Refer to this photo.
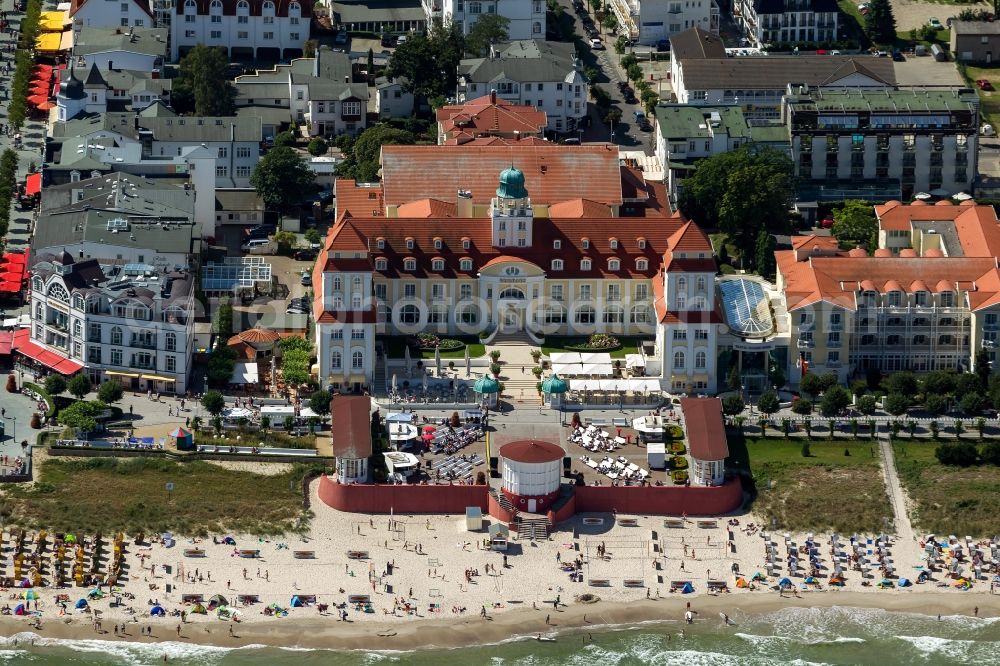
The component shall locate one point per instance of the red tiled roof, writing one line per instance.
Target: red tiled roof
(346, 317)
(579, 208)
(531, 451)
(488, 115)
(706, 431)
(552, 173)
(426, 208)
(229, 7)
(358, 200)
(350, 417)
(689, 238)
(503, 141)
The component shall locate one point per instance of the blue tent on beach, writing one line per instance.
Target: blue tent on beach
(785, 582)
(295, 602)
(81, 603)
(687, 589)
(904, 582)
(157, 611)
(19, 610)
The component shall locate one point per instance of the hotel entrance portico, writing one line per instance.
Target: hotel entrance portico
(512, 288)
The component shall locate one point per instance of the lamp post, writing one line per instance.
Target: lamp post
(13, 429)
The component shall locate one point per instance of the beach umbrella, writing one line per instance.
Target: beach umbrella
(29, 595)
(554, 384)
(35, 100)
(687, 589)
(468, 361)
(810, 580)
(785, 582)
(486, 385)
(406, 357)
(82, 603)
(437, 360)
(429, 428)
(885, 582)
(394, 380)
(904, 582)
(155, 611)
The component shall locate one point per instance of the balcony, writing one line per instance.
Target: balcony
(143, 343)
(805, 343)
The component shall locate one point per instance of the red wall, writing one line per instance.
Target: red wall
(369, 498)
(661, 500)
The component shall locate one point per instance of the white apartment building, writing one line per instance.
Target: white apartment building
(142, 49)
(105, 14)
(651, 21)
(266, 30)
(527, 17)
(545, 75)
(130, 322)
(788, 21)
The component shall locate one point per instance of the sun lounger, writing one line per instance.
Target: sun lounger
(633, 582)
(357, 554)
(304, 554)
(628, 522)
(599, 582)
(247, 599)
(248, 553)
(194, 552)
(673, 522)
(192, 599)
(593, 521)
(307, 599)
(358, 599)
(708, 523)
(717, 586)
(679, 584)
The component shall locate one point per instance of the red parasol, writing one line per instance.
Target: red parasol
(428, 437)
(429, 428)
(45, 106)
(35, 100)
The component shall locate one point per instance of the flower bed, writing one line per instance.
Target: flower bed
(431, 341)
(679, 462)
(598, 342)
(680, 477)
(678, 448)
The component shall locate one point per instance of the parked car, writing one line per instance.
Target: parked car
(341, 39)
(645, 125)
(934, 23)
(826, 223)
(630, 97)
(306, 279)
(388, 40)
(638, 115)
(304, 255)
(261, 231)
(984, 84)
(662, 45)
(897, 56)
(254, 243)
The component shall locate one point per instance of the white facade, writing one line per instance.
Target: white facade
(527, 17)
(531, 479)
(788, 21)
(562, 101)
(108, 14)
(689, 348)
(120, 59)
(138, 330)
(263, 32)
(392, 101)
(708, 472)
(650, 21)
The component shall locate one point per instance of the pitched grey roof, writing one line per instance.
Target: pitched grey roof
(197, 129)
(524, 60)
(238, 200)
(147, 41)
(378, 11)
(776, 72)
(696, 43)
(975, 28)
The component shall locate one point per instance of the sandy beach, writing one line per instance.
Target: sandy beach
(439, 568)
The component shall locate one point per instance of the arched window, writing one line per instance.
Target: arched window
(116, 335)
(585, 315)
(895, 298)
(467, 315)
(536, 28)
(699, 360)
(555, 314)
(679, 361)
(947, 299)
(294, 9)
(512, 293)
(357, 359)
(336, 360)
(171, 341)
(78, 302)
(640, 314)
(190, 7)
(682, 285)
(557, 264)
(381, 264)
(215, 8)
(356, 301)
(585, 264)
(641, 264)
(58, 292)
(701, 284)
(268, 8)
(466, 264)
(37, 284)
(614, 265)
(410, 265)
(946, 340)
(614, 315)
(39, 312)
(243, 7)
(409, 314)
(437, 265)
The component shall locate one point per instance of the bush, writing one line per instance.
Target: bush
(769, 402)
(897, 403)
(79, 385)
(990, 453)
(110, 391)
(903, 383)
(935, 403)
(733, 405)
(802, 407)
(972, 403)
(317, 146)
(214, 402)
(834, 400)
(960, 454)
(867, 405)
(55, 384)
(285, 138)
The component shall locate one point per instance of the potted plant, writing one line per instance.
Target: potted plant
(451, 366)
(538, 387)
(495, 355)
(36, 421)
(455, 420)
(536, 371)
(495, 369)
(11, 383)
(536, 354)
(575, 421)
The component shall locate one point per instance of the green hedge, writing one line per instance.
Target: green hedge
(588, 349)
(40, 390)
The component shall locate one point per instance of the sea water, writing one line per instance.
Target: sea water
(787, 637)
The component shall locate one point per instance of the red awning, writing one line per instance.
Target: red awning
(10, 287)
(6, 342)
(16, 258)
(25, 347)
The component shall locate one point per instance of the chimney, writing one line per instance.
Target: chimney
(493, 97)
(463, 204)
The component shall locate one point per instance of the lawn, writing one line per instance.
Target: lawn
(826, 491)
(946, 499)
(395, 346)
(557, 344)
(110, 494)
(989, 100)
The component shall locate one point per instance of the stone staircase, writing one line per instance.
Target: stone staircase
(381, 376)
(515, 357)
(532, 526)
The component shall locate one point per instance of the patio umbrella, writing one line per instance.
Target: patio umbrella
(406, 356)
(40, 88)
(394, 382)
(961, 196)
(429, 428)
(46, 105)
(30, 595)
(486, 385)
(922, 196)
(554, 384)
(437, 360)
(468, 361)
(35, 100)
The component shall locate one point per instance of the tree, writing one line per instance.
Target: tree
(984, 366)
(867, 405)
(214, 402)
(428, 64)
(317, 146)
(620, 44)
(903, 383)
(733, 380)
(938, 382)
(990, 453)
(79, 385)
(813, 384)
(312, 236)
(285, 138)
(854, 223)
(764, 261)
(110, 391)
(733, 405)
(363, 162)
(609, 22)
(282, 178)
(880, 22)
(488, 30)
(741, 192)
(319, 402)
(55, 384)
(966, 383)
(935, 403)
(768, 402)
(802, 407)
(220, 365)
(972, 403)
(960, 454)
(285, 240)
(897, 403)
(82, 416)
(202, 84)
(834, 401)
(634, 72)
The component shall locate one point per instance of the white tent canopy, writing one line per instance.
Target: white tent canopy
(272, 411)
(565, 357)
(244, 373)
(400, 417)
(642, 385)
(634, 361)
(402, 432)
(602, 358)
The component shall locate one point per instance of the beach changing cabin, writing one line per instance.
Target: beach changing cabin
(499, 536)
(473, 518)
(656, 455)
(706, 436)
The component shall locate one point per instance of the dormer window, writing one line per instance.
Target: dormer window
(641, 242)
(437, 265)
(585, 264)
(410, 264)
(557, 244)
(614, 243)
(466, 244)
(466, 264)
(614, 265)
(438, 243)
(381, 264)
(380, 243)
(641, 264)
(585, 243)
(557, 264)
(410, 244)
